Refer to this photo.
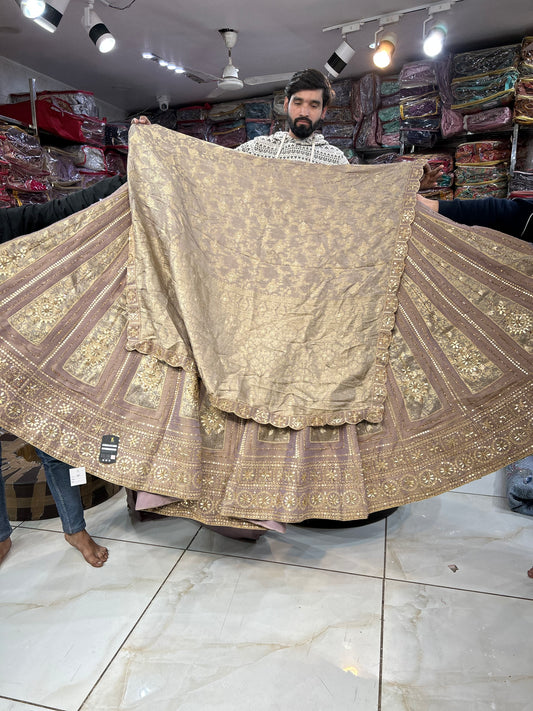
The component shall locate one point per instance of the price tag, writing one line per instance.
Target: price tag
(78, 476)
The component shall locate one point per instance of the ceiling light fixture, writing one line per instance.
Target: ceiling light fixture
(435, 31)
(47, 15)
(382, 57)
(339, 59)
(385, 47)
(32, 8)
(97, 31)
(434, 40)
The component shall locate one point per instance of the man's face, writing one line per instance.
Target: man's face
(305, 111)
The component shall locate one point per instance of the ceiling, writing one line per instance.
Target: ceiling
(275, 36)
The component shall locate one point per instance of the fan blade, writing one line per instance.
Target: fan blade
(215, 93)
(268, 79)
(200, 77)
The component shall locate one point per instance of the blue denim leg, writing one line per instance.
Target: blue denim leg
(66, 497)
(5, 526)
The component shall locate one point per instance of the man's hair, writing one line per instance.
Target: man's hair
(310, 79)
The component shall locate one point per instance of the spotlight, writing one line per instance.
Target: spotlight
(148, 55)
(32, 8)
(97, 31)
(50, 15)
(382, 57)
(434, 40)
(339, 59)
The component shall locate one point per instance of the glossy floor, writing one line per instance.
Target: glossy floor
(429, 610)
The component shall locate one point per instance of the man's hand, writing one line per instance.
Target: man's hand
(431, 176)
(145, 121)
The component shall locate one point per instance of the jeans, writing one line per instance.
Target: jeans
(67, 498)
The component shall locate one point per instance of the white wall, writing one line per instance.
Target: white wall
(14, 80)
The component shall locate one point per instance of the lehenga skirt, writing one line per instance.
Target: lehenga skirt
(458, 382)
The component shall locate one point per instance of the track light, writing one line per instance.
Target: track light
(97, 31)
(47, 15)
(32, 8)
(382, 56)
(339, 59)
(434, 40)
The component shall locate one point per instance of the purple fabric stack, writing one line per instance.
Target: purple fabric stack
(419, 103)
(338, 128)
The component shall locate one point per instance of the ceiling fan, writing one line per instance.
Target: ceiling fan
(229, 80)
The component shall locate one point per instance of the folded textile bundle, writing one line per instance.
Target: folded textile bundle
(369, 132)
(195, 129)
(198, 112)
(61, 167)
(482, 169)
(521, 181)
(526, 56)
(76, 102)
(343, 93)
(483, 61)
(482, 151)
(482, 173)
(484, 91)
(259, 109)
(226, 111)
(419, 73)
(476, 191)
(454, 122)
(228, 133)
(523, 108)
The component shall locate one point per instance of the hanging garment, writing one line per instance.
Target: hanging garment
(452, 396)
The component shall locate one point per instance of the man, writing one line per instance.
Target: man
(15, 222)
(307, 97)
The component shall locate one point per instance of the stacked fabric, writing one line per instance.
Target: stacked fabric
(23, 172)
(365, 103)
(389, 111)
(523, 108)
(279, 115)
(484, 79)
(419, 103)
(192, 120)
(482, 169)
(228, 125)
(338, 128)
(258, 117)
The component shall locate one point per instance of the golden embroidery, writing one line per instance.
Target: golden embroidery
(475, 369)
(89, 360)
(146, 387)
(35, 320)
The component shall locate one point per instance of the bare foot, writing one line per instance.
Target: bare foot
(4, 548)
(94, 554)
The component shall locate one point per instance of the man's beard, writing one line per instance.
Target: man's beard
(302, 127)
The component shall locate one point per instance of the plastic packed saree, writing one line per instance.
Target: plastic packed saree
(268, 340)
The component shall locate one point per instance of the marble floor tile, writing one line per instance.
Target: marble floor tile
(491, 546)
(112, 520)
(7, 705)
(352, 550)
(226, 634)
(450, 650)
(62, 621)
(494, 484)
